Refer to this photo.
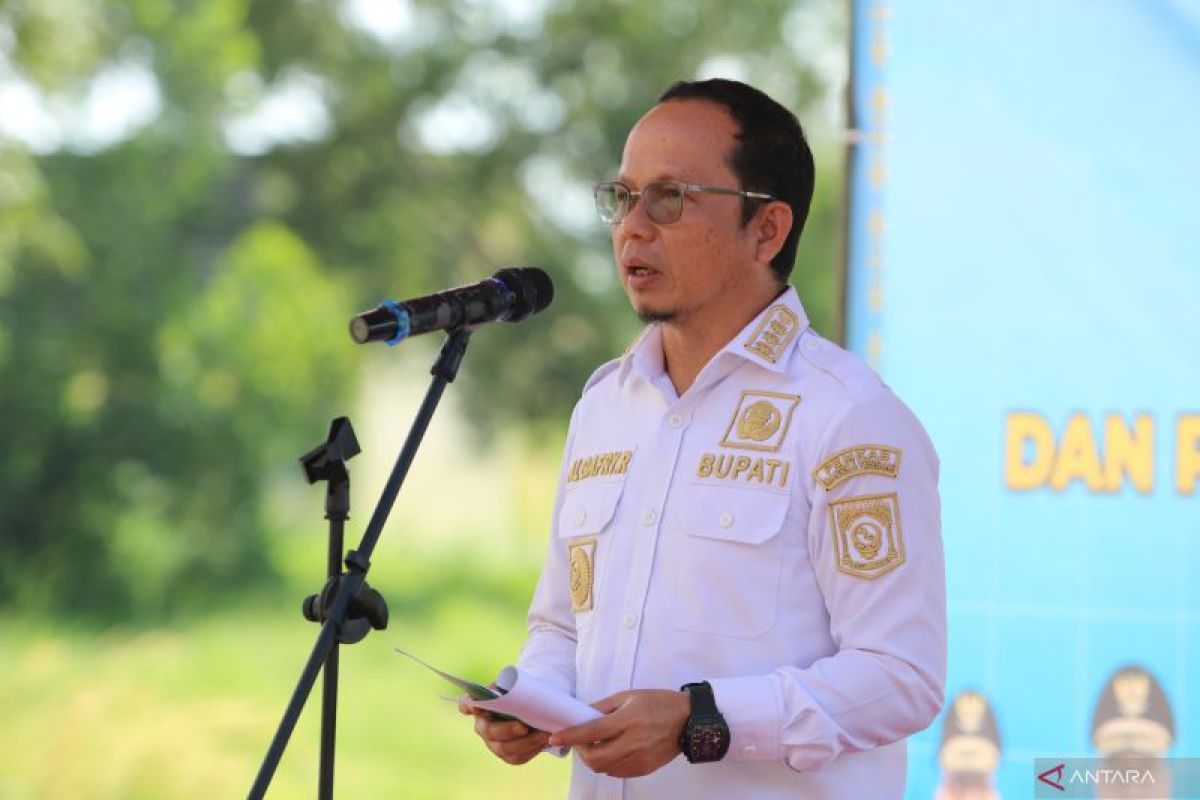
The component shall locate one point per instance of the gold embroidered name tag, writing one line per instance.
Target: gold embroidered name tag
(582, 557)
(866, 534)
(601, 465)
(778, 327)
(761, 420)
(768, 471)
(867, 459)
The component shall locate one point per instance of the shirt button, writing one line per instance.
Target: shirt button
(629, 620)
(580, 518)
(650, 517)
(675, 420)
(749, 751)
(726, 520)
(813, 344)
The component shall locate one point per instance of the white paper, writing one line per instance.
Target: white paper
(523, 696)
(536, 703)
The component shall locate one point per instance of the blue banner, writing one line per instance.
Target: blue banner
(1024, 269)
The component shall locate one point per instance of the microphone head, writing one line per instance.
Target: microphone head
(533, 289)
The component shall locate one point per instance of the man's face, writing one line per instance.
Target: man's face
(683, 271)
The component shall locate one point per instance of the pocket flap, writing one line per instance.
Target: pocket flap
(588, 509)
(735, 515)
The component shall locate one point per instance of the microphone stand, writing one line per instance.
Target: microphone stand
(348, 607)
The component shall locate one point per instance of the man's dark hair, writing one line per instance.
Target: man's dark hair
(771, 154)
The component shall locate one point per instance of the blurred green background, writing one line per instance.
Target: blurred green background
(194, 199)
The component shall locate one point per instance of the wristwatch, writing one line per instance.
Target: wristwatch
(705, 735)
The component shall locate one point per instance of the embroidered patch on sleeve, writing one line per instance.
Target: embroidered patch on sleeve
(866, 459)
(867, 535)
(582, 558)
(760, 421)
(778, 327)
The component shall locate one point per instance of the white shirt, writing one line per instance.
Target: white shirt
(775, 531)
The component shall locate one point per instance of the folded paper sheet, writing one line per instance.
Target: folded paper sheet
(537, 704)
(521, 695)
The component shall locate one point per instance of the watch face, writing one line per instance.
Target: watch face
(708, 741)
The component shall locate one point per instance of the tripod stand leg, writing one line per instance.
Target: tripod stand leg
(326, 639)
(337, 508)
(328, 724)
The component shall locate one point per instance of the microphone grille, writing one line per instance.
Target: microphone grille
(532, 286)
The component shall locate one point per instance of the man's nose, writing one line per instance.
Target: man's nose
(637, 223)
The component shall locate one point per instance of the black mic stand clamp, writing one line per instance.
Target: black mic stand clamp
(367, 609)
(327, 462)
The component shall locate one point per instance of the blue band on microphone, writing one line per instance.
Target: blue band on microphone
(402, 321)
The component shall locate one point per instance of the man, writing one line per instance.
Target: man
(745, 510)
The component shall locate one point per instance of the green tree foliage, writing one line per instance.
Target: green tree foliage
(173, 299)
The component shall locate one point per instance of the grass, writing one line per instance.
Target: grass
(188, 711)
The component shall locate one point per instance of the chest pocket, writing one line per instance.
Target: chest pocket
(585, 524)
(728, 567)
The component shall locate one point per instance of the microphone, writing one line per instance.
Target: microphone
(512, 294)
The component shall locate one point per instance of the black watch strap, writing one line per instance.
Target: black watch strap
(703, 702)
(705, 736)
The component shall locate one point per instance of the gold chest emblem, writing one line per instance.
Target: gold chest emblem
(582, 556)
(759, 421)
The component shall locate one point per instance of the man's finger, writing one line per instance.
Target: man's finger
(602, 756)
(611, 703)
(595, 731)
(521, 749)
(491, 729)
(598, 729)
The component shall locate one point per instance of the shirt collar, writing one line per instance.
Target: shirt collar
(644, 356)
(767, 340)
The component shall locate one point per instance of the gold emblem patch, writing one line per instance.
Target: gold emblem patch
(582, 557)
(874, 459)
(778, 327)
(760, 421)
(867, 535)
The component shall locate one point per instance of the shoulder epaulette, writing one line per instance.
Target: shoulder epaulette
(843, 366)
(600, 373)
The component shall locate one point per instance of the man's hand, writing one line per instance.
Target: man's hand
(638, 733)
(512, 741)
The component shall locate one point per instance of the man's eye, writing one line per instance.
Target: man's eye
(666, 192)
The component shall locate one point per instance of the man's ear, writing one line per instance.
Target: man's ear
(771, 226)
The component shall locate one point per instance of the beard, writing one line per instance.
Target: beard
(649, 316)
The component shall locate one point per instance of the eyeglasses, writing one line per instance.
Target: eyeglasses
(663, 199)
